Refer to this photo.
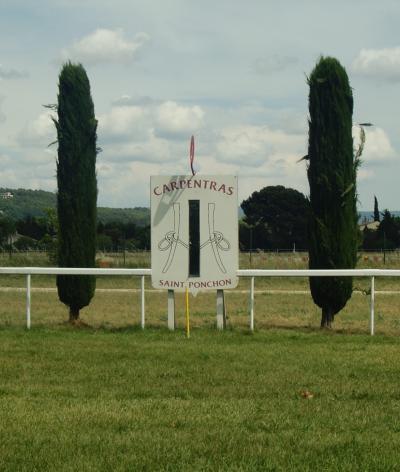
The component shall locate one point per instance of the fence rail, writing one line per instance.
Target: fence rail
(249, 273)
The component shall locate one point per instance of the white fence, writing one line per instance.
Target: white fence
(252, 274)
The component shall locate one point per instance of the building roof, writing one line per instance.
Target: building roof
(372, 225)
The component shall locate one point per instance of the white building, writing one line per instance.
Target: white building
(6, 195)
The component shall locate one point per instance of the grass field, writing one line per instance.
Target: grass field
(109, 396)
(256, 260)
(127, 400)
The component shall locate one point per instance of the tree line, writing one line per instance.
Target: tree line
(277, 218)
(40, 233)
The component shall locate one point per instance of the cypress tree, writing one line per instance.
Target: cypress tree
(77, 186)
(332, 169)
(376, 210)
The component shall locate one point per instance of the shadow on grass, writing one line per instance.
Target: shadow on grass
(265, 327)
(157, 328)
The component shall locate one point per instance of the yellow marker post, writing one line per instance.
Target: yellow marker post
(187, 314)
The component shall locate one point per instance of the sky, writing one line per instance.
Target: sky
(231, 73)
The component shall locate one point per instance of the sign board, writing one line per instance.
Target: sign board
(194, 232)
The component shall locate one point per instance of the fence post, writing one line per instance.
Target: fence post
(221, 310)
(251, 304)
(372, 320)
(28, 301)
(171, 310)
(142, 303)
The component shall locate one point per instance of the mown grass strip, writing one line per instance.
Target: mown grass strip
(123, 399)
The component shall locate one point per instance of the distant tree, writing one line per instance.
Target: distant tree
(7, 229)
(77, 186)
(36, 227)
(389, 231)
(25, 243)
(32, 227)
(115, 232)
(143, 238)
(104, 243)
(277, 217)
(118, 235)
(377, 216)
(370, 239)
(332, 169)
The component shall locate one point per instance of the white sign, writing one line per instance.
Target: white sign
(194, 232)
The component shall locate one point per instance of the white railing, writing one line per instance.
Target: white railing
(372, 273)
(28, 271)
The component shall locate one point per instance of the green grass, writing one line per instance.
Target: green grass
(115, 398)
(121, 309)
(128, 400)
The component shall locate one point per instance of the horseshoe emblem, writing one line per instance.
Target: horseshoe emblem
(215, 238)
(171, 239)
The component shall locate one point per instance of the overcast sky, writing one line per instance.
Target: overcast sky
(231, 73)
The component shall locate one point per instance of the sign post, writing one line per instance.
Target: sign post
(194, 233)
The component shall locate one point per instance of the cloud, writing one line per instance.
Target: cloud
(5, 160)
(2, 115)
(275, 63)
(143, 136)
(40, 132)
(29, 172)
(377, 145)
(381, 64)
(151, 149)
(365, 174)
(126, 134)
(9, 74)
(175, 119)
(127, 100)
(260, 156)
(133, 180)
(121, 121)
(150, 120)
(256, 146)
(104, 45)
(152, 133)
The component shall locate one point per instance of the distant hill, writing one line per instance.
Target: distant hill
(34, 203)
(26, 202)
(138, 215)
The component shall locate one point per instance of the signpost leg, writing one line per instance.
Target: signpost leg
(221, 313)
(372, 320)
(252, 304)
(28, 301)
(171, 310)
(187, 314)
(142, 303)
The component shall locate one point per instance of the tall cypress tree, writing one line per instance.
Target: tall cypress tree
(376, 210)
(77, 186)
(332, 169)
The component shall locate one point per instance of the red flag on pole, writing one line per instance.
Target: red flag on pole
(192, 154)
